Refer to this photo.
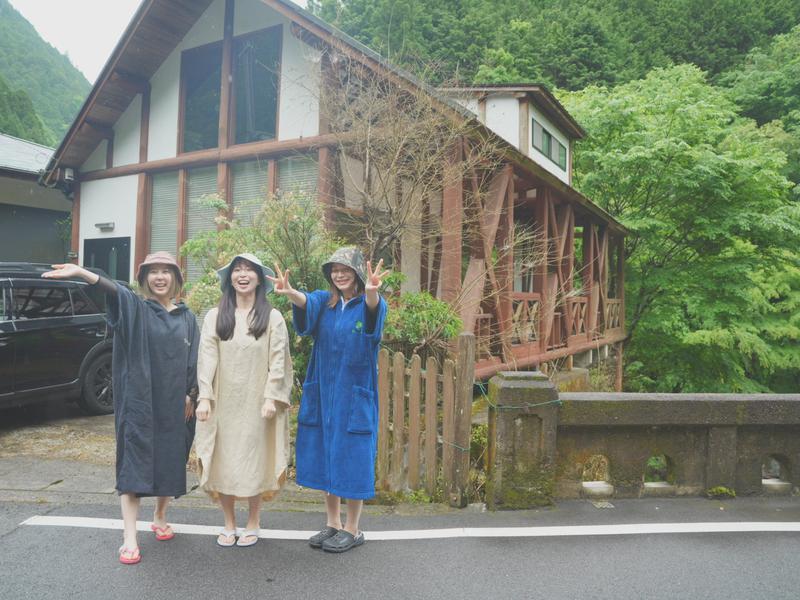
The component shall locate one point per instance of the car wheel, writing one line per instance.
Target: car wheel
(96, 393)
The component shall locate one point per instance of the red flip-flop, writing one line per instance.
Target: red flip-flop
(162, 533)
(128, 556)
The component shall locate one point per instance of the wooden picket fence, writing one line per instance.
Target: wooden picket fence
(424, 422)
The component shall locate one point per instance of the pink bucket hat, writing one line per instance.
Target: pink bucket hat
(159, 258)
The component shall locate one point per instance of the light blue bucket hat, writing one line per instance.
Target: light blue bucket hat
(224, 273)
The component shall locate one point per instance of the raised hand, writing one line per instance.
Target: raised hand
(65, 271)
(375, 277)
(281, 282)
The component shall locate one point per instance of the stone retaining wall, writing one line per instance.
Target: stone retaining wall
(540, 449)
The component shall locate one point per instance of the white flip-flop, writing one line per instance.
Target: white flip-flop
(248, 533)
(227, 533)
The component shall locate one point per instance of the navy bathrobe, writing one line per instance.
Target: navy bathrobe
(337, 425)
(154, 368)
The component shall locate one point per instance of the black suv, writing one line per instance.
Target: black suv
(54, 340)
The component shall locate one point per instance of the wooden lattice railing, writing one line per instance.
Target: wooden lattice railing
(525, 317)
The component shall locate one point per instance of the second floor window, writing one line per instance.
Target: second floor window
(255, 72)
(545, 143)
(256, 68)
(201, 73)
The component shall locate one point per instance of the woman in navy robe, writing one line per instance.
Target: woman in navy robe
(337, 425)
(154, 372)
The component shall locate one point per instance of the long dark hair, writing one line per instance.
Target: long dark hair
(258, 317)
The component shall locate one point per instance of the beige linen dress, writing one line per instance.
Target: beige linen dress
(239, 452)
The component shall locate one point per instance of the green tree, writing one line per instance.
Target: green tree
(18, 117)
(713, 230)
(28, 63)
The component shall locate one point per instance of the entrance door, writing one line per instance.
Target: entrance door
(112, 255)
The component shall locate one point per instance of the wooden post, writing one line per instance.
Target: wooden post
(448, 400)
(462, 419)
(383, 418)
(618, 379)
(431, 410)
(325, 183)
(398, 420)
(144, 125)
(227, 69)
(142, 240)
(413, 421)
(621, 280)
(75, 235)
(452, 215)
(543, 258)
(182, 180)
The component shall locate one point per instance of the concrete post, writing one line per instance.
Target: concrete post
(721, 459)
(523, 420)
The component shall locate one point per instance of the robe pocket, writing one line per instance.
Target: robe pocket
(363, 417)
(309, 405)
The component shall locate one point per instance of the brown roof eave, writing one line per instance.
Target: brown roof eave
(105, 74)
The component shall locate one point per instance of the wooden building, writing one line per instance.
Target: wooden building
(222, 96)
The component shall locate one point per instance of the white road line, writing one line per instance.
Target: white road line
(455, 532)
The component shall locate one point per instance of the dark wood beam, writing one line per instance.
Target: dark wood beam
(252, 151)
(144, 126)
(225, 83)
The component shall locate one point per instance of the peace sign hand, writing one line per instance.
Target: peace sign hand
(281, 282)
(375, 278)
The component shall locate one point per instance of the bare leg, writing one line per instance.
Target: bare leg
(254, 518)
(130, 512)
(227, 503)
(353, 515)
(333, 507)
(160, 512)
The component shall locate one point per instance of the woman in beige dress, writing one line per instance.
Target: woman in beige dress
(245, 380)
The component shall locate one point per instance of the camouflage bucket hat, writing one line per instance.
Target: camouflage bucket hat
(349, 256)
(224, 273)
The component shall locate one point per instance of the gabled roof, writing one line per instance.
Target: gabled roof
(538, 93)
(21, 156)
(159, 26)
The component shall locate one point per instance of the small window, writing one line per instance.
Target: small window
(41, 302)
(256, 71)
(547, 142)
(537, 134)
(562, 156)
(201, 72)
(81, 305)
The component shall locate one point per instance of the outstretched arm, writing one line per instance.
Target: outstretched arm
(70, 271)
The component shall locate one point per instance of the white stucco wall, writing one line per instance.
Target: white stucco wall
(126, 134)
(108, 200)
(298, 101)
(502, 117)
(540, 158)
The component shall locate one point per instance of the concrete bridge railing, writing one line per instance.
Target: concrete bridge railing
(544, 446)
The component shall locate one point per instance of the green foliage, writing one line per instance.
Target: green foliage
(418, 322)
(767, 88)
(28, 63)
(18, 117)
(657, 469)
(563, 43)
(288, 230)
(711, 275)
(720, 492)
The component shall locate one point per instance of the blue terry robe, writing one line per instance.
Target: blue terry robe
(154, 368)
(337, 426)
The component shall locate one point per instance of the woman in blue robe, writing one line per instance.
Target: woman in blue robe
(154, 373)
(337, 425)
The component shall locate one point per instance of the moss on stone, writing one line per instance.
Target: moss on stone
(527, 488)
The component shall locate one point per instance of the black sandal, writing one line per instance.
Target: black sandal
(315, 541)
(343, 541)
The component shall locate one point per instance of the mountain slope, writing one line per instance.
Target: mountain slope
(31, 65)
(18, 117)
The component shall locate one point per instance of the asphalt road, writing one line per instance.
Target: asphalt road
(46, 562)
